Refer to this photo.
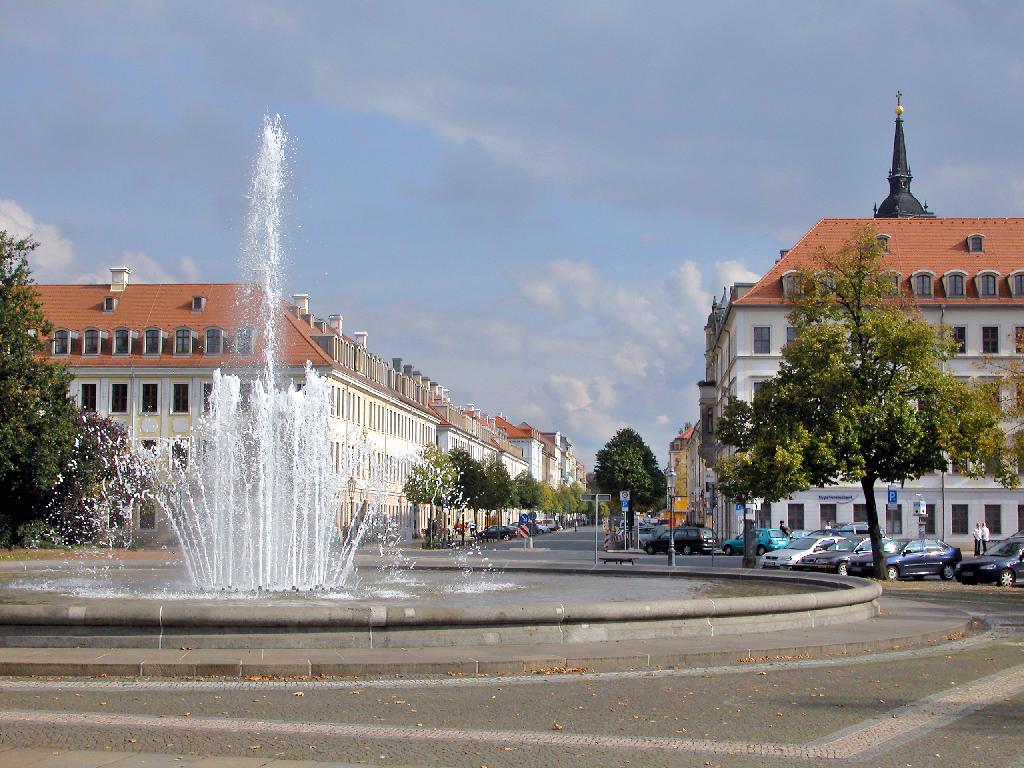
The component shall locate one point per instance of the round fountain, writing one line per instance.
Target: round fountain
(262, 565)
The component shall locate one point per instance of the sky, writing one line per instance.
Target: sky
(534, 203)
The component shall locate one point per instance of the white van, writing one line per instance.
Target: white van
(548, 523)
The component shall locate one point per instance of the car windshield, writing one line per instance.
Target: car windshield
(1008, 548)
(805, 543)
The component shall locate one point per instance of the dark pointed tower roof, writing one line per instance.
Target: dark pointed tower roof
(900, 204)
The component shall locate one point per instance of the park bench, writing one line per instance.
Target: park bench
(619, 559)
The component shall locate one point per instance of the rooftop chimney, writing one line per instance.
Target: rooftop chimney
(361, 339)
(336, 321)
(407, 370)
(119, 278)
(301, 303)
(396, 363)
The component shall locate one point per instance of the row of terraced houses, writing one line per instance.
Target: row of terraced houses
(145, 354)
(966, 274)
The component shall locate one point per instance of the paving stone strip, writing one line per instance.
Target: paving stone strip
(857, 742)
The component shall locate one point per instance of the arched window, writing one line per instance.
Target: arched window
(1017, 283)
(61, 343)
(954, 285)
(827, 281)
(91, 342)
(214, 341)
(153, 341)
(987, 285)
(183, 341)
(122, 341)
(789, 285)
(923, 284)
(894, 279)
(976, 243)
(883, 240)
(243, 341)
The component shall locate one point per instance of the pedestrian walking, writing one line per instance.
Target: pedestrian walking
(984, 538)
(783, 528)
(977, 539)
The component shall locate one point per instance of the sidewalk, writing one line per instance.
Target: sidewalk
(88, 758)
(903, 624)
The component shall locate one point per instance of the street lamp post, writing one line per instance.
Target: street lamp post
(670, 476)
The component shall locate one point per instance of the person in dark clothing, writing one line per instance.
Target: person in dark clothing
(784, 529)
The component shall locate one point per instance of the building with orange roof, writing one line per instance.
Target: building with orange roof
(145, 354)
(963, 273)
(527, 439)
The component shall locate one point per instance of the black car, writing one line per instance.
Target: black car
(1003, 565)
(688, 539)
(914, 558)
(836, 559)
(497, 533)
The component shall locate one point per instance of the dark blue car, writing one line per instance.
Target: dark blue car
(913, 558)
(1003, 565)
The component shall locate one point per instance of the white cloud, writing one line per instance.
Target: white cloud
(54, 257)
(732, 271)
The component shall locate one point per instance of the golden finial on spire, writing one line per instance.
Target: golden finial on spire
(899, 107)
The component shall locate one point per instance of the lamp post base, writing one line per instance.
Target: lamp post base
(672, 556)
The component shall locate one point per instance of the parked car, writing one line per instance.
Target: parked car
(853, 529)
(550, 524)
(650, 532)
(497, 533)
(836, 559)
(915, 558)
(796, 550)
(1003, 565)
(688, 539)
(765, 540)
(543, 527)
(799, 533)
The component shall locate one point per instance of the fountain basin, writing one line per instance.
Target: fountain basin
(775, 602)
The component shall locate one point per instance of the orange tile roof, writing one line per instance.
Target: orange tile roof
(522, 432)
(168, 306)
(936, 245)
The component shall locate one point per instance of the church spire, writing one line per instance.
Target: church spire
(900, 204)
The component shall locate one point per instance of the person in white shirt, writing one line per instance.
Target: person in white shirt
(984, 538)
(977, 539)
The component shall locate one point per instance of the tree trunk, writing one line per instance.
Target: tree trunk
(877, 555)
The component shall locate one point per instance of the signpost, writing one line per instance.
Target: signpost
(596, 498)
(524, 530)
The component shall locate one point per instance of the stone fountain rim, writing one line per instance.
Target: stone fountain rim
(830, 592)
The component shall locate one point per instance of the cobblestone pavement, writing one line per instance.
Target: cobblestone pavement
(963, 703)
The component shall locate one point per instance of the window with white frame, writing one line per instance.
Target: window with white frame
(61, 342)
(214, 341)
(954, 285)
(959, 336)
(183, 341)
(894, 278)
(923, 284)
(789, 284)
(976, 243)
(762, 339)
(990, 339)
(153, 341)
(243, 341)
(1017, 284)
(883, 240)
(987, 284)
(122, 341)
(91, 342)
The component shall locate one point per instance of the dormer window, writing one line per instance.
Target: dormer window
(153, 341)
(789, 285)
(1017, 283)
(62, 342)
(122, 341)
(198, 303)
(243, 341)
(987, 284)
(923, 285)
(976, 243)
(183, 341)
(883, 241)
(827, 281)
(893, 279)
(91, 342)
(954, 284)
(214, 341)
(109, 303)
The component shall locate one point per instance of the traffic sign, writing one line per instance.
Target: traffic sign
(623, 495)
(625, 505)
(892, 495)
(523, 531)
(595, 497)
(524, 518)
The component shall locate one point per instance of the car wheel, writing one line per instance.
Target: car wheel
(727, 549)
(948, 572)
(1007, 578)
(761, 550)
(892, 573)
(843, 569)
(649, 549)
(505, 538)
(686, 549)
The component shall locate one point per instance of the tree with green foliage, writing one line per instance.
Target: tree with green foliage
(433, 480)
(860, 396)
(472, 484)
(626, 463)
(37, 418)
(528, 491)
(499, 493)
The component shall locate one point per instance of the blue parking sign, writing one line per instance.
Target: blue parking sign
(892, 496)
